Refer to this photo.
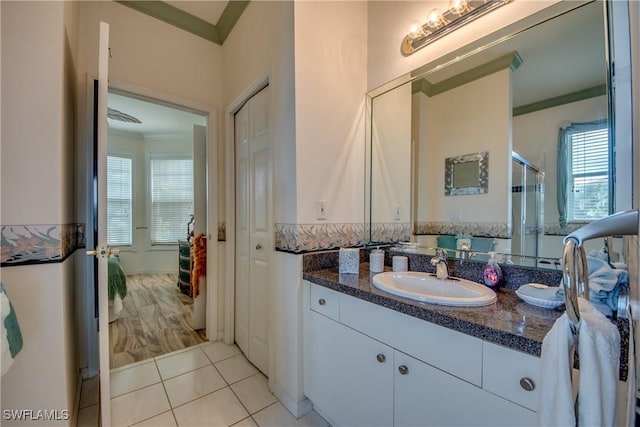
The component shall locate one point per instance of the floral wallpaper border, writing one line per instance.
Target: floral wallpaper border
(480, 229)
(304, 238)
(557, 230)
(39, 244)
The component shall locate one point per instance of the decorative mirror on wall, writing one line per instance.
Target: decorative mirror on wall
(512, 97)
(468, 174)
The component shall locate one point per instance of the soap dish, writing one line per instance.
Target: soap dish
(539, 302)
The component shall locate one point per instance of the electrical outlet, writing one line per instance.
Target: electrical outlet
(397, 213)
(321, 209)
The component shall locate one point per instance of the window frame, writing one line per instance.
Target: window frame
(132, 158)
(151, 245)
(572, 176)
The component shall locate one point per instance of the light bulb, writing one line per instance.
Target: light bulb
(434, 18)
(415, 30)
(459, 7)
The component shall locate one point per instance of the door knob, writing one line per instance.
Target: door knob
(113, 251)
(91, 252)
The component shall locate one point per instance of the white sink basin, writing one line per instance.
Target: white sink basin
(425, 287)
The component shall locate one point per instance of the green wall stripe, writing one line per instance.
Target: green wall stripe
(178, 18)
(511, 60)
(229, 17)
(561, 100)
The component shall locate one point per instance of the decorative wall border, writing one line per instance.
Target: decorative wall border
(390, 232)
(479, 229)
(39, 244)
(555, 229)
(302, 238)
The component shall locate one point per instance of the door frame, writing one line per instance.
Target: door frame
(263, 80)
(212, 284)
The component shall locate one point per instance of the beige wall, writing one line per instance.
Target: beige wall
(455, 127)
(38, 141)
(330, 52)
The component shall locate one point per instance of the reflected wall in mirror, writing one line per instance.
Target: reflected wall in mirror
(524, 99)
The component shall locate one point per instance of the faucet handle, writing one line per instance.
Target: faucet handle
(441, 253)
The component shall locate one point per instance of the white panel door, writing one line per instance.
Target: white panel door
(253, 228)
(102, 250)
(242, 229)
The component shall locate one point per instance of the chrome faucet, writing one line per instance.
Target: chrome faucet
(440, 261)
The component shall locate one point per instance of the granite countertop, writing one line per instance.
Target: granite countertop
(509, 322)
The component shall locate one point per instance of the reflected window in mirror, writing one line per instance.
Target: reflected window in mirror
(584, 188)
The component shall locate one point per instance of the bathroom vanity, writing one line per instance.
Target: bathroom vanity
(374, 359)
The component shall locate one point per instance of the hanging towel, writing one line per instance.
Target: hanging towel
(11, 339)
(555, 407)
(599, 350)
(604, 281)
(198, 261)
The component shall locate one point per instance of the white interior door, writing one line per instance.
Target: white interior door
(200, 214)
(102, 250)
(253, 228)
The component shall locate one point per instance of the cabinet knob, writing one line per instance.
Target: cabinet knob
(403, 369)
(321, 301)
(527, 383)
(381, 358)
(258, 246)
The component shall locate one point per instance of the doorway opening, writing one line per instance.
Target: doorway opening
(157, 219)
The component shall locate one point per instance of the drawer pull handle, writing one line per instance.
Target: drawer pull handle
(381, 358)
(527, 383)
(403, 369)
(321, 301)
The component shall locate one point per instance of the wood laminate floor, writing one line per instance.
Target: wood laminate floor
(156, 319)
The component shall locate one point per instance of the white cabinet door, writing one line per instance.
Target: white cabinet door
(349, 376)
(426, 396)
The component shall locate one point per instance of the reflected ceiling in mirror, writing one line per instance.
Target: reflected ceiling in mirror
(511, 99)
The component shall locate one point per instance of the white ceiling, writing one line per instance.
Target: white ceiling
(157, 119)
(560, 56)
(209, 10)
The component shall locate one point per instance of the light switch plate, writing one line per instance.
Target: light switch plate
(321, 209)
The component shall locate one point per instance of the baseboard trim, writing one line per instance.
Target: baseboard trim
(297, 408)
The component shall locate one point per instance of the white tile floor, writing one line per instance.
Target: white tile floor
(211, 384)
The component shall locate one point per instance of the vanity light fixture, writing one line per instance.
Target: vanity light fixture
(438, 24)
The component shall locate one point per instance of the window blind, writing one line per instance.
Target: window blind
(171, 199)
(119, 203)
(589, 183)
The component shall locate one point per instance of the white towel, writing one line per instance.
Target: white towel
(599, 350)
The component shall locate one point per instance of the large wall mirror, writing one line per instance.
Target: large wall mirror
(537, 101)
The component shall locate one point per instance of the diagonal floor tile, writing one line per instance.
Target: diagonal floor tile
(139, 405)
(220, 409)
(192, 385)
(254, 393)
(236, 368)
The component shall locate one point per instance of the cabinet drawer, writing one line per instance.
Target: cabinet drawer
(325, 301)
(503, 370)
